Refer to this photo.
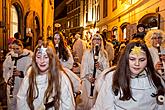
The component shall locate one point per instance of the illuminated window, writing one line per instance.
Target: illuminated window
(124, 33)
(115, 33)
(13, 21)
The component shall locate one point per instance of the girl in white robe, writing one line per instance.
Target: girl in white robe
(15, 66)
(46, 86)
(87, 71)
(63, 52)
(155, 41)
(134, 85)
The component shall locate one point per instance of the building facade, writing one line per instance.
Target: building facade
(74, 16)
(32, 18)
(120, 17)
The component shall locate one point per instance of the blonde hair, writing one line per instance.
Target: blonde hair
(103, 51)
(148, 37)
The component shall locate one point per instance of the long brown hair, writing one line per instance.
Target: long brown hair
(121, 78)
(54, 78)
(62, 49)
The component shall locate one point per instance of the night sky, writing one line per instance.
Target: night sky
(63, 13)
(57, 2)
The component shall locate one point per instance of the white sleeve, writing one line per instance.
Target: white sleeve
(22, 95)
(105, 98)
(67, 99)
(74, 78)
(7, 68)
(84, 65)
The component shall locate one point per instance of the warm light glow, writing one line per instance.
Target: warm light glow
(89, 10)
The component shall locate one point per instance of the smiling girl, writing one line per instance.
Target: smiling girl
(46, 87)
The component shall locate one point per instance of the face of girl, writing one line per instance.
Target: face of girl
(156, 39)
(56, 38)
(42, 61)
(17, 49)
(96, 41)
(137, 62)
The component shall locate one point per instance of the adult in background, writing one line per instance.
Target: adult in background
(108, 46)
(78, 47)
(17, 35)
(46, 85)
(134, 84)
(141, 32)
(155, 41)
(39, 41)
(14, 70)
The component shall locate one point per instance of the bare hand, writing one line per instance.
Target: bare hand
(16, 72)
(10, 81)
(163, 57)
(90, 78)
(159, 66)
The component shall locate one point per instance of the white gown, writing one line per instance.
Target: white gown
(141, 90)
(87, 67)
(66, 100)
(22, 65)
(67, 64)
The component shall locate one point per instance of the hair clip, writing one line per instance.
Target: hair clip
(136, 50)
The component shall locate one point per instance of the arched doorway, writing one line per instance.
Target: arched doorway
(124, 31)
(16, 19)
(151, 21)
(115, 31)
(32, 29)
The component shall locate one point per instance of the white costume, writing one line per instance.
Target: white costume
(74, 79)
(87, 67)
(66, 99)
(155, 57)
(141, 90)
(23, 63)
(67, 64)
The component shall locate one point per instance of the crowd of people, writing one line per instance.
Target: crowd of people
(62, 74)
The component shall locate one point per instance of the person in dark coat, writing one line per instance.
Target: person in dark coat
(141, 32)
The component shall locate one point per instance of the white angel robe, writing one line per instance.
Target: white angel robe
(141, 91)
(66, 100)
(22, 65)
(87, 67)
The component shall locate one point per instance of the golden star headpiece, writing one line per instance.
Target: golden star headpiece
(136, 50)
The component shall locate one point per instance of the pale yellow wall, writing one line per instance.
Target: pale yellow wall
(162, 13)
(48, 17)
(130, 13)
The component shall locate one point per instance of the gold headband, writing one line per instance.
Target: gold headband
(137, 50)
